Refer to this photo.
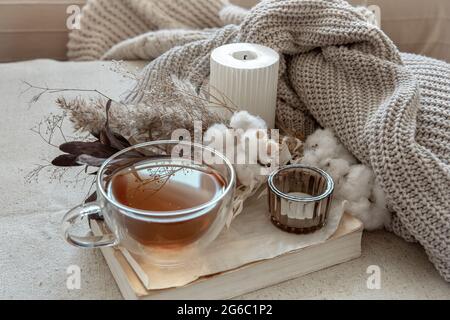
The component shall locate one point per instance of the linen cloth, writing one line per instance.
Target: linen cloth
(391, 110)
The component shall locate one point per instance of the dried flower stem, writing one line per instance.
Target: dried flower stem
(48, 90)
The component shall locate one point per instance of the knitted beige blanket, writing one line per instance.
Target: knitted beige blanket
(391, 110)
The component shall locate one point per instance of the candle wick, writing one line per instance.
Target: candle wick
(245, 57)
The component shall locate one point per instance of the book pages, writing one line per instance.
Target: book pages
(250, 238)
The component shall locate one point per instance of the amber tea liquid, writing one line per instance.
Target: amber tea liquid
(165, 189)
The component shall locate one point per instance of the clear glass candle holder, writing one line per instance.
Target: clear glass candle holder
(300, 198)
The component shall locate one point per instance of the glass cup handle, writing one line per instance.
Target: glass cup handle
(74, 217)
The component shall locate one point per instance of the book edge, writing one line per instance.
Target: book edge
(202, 287)
(133, 289)
(347, 225)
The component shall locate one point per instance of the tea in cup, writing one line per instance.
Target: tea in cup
(160, 201)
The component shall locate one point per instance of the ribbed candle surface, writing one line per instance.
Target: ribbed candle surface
(247, 76)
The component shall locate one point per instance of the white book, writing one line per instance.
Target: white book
(131, 275)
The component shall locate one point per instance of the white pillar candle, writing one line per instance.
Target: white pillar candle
(247, 75)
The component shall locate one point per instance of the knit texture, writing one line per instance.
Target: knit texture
(391, 110)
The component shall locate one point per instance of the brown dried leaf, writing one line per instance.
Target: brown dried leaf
(92, 198)
(95, 135)
(66, 160)
(114, 140)
(94, 149)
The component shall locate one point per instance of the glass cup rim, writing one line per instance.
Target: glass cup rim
(329, 190)
(168, 214)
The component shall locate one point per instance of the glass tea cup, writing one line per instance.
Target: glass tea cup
(182, 195)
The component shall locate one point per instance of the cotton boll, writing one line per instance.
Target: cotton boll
(248, 174)
(310, 158)
(373, 217)
(218, 127)
(274, 157)
(258, 147)
(354, 183)
(320, 147)
(327, 146)
(359, 208)
(269, 154)
(259, 134)
(257, 154)
(358, 183)
(323, 143)
(378, 218)
(255, 137)
(342, 153)
(244, 120)
(338, 168)
(321, 137)
(247, 151)
(215, 136)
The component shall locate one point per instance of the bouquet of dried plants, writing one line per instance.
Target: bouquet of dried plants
(105, 126)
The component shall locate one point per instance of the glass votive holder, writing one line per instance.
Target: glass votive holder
(300, 198)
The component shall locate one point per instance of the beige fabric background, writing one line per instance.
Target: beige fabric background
(34, 258)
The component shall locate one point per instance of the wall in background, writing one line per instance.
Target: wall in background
(31, 29)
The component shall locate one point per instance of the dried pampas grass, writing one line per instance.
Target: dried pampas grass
(154, 119)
